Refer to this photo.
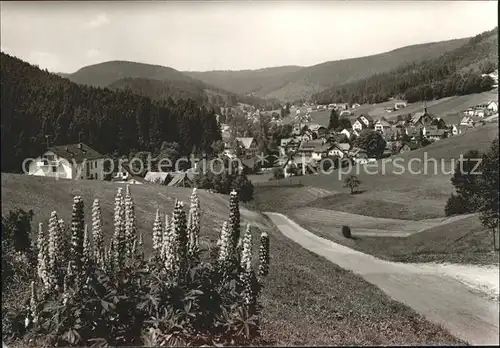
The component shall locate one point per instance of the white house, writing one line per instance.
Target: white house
(357, 125)
(340, 150)
(400, 105)
(493, 106)
(349, 132)
(382, 126)
(249, 146)
(479, 113)
(72, 161)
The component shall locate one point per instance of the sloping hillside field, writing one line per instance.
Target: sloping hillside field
(306, 300)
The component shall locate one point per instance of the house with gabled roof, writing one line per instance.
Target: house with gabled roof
(422, 118)
(71, 161)
(248, 146)
(362, 122)
(382, 126)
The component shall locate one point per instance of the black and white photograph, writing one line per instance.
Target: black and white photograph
(249, 173)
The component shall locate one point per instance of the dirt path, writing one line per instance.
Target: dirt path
(466, 312)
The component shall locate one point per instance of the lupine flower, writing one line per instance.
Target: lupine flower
(225, 245)
(64, 247)
(87, 250)
(42, 258)
(157, 235)
(54, 252)
(77, 226)
(69, 279)
(247, 270)
(140, 247)
(165, 239)
(119, 234)
(130, 227)
(234, 217)
(169, 247)
(33, 304)
(194, 226)
(264, 254)
(97, 234)
(180, 235)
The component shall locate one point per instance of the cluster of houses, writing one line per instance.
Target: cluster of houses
(81, 162)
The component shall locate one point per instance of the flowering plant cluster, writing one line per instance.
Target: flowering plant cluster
(86, 293)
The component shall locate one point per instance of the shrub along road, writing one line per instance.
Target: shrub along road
(442, 299)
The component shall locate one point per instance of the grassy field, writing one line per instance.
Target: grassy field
(307, 300)
(462, 240)
(448, 108)
(389, 193)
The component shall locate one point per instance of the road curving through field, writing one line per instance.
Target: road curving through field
(466, 312)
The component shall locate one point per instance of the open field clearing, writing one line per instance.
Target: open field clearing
(460, 239)
(448, 108)
(437, 294)
(306, 299)
(366, 225)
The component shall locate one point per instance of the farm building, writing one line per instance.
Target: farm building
(71, 161)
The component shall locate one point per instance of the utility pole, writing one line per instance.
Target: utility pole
(47, 140)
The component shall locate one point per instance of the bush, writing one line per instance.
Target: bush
(346, 232)
(16, 229)
(115, 296)
(278, 173)
(457, 205)
(225, 182)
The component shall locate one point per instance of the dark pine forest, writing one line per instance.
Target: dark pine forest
(36, 104)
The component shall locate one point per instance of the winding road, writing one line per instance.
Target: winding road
(466, 313)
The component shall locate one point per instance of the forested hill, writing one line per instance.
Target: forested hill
(35, 103)
(160, 82)
(290, 83)
(455, 73)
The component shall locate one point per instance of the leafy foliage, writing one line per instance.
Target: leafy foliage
(131, 300)
(477, 187)
(352, 182)
(371, 141)
(225, 182)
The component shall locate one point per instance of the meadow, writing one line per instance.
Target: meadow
(306, 299)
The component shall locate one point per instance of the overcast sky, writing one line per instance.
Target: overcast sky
(65, 36)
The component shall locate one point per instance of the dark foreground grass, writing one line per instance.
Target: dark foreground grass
(306, 299)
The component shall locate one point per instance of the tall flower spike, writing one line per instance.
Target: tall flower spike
(87, 250)
(247, 273)
(54, 253)
(169, 246)
(33, 304)
(194, 226)
(165, 239)
(157, 235)
(77, 226)
(42, 264)
(64, 248)
(130, 224)
(264, 254)
(97, 234)
(225, 245)
(180, 235)
(68, 282)
(234, 217)
(119, 233)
